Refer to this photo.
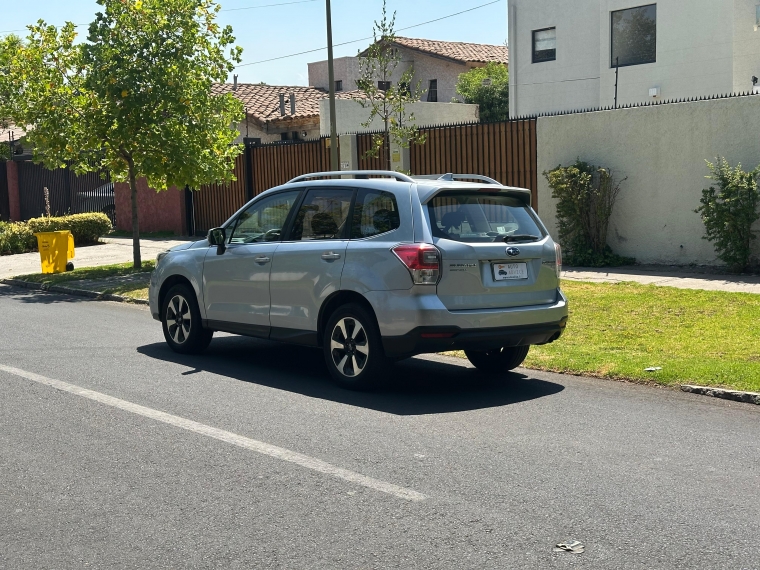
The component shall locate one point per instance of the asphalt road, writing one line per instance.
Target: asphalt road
(444, 468)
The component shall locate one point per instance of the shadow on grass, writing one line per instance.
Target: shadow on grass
(415, 387)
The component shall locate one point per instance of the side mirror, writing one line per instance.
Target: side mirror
(218, 237)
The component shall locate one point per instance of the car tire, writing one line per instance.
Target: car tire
(353, 349)
(181, 320)
(499, 360)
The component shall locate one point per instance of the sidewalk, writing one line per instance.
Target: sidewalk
(669, 276)
(114, 250)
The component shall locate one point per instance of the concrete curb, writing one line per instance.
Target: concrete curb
(71, 291)
(735, 395)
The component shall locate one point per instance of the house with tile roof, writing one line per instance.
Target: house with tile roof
(276, 113)
(437, 66)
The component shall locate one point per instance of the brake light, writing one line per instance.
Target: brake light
(558, 259)
(423, 260)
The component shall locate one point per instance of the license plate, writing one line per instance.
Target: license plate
(506, 271)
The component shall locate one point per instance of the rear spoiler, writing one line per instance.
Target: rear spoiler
(427, 193)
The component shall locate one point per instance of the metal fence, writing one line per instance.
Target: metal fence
(69, 193)
(5, 211)
(504, 151)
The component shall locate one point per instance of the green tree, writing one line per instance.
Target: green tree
(385, 99)
(9, 45)
(135, 98)
(729, 210)
(487, 87)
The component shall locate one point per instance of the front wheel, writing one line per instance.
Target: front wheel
(181, 321)
(353, 350)
(498, 360)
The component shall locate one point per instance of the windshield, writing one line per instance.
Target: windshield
(475, 217)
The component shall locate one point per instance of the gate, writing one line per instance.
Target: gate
(68, 193)
(5, 211)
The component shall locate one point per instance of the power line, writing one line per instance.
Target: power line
(370, 38)
(224, 10)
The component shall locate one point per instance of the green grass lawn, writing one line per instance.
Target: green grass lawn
(697, 337)
(133, 290)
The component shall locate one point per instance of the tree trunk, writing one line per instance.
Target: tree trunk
(135, 217)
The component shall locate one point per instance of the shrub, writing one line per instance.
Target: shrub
(86, 228)
(16, 237)
(729, 211)
(585, 198)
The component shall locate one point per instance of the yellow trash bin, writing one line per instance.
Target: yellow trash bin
(56, 249)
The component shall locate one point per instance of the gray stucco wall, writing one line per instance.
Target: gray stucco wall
(661, 150)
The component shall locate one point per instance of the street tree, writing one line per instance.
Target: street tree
(487, 87)
(385, 99)
(135, 98)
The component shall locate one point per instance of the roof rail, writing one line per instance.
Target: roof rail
(449, 177)
(355, 173)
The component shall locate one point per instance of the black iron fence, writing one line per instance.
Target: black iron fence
(5, 212)
(68, 193)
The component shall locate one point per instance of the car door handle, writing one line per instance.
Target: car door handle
(330, 255)
(262, 259)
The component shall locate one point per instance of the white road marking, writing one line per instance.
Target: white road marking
(226, 436)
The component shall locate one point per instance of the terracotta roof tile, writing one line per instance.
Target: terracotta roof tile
(459, 51)
(262, 102)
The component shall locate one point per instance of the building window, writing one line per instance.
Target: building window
(432, 95)
(383, 85)
(633, 36)
(544, 45)
(339, 85)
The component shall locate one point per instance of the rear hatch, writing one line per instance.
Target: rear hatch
(495, 254)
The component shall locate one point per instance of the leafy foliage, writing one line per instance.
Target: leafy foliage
(16, 237)
(135, 99)
(487, 87)
(87, 229)
(729, 210)
(388, 105)
(585, 198)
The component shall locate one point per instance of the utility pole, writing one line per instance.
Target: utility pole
(617, 68)
(331, 78)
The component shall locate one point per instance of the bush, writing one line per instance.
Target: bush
(729, 211)
(86, 228)
(16, 237)
(493, 98)
(585, 197)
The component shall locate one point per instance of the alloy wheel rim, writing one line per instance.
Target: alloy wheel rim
(179, 319)
(349, 347)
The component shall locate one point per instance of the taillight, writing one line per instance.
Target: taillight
(558, 258)
(423, 261)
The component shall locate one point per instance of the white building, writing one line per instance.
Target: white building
(563, 55)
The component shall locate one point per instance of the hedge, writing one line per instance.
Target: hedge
(86, 228)
(16, 237)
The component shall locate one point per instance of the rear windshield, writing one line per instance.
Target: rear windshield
(474, 217)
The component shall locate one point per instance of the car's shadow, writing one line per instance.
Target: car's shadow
(414, 387)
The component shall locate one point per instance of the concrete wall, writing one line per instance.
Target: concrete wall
(350, 115)
(704, 47)
(158, 211)
(661, 150)
(252, 129)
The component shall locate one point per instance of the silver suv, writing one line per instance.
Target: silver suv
(372, 270)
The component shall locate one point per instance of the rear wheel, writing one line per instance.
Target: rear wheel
(181, 321)
(498, 360)
(353, 350)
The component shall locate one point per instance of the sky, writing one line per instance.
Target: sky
(267, 32)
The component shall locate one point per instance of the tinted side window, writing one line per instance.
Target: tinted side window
(323, 215)
(264, 220)
(376, 212)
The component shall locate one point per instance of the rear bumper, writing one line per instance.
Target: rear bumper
(438, 339)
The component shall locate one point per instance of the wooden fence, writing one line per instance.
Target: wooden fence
(504, 151)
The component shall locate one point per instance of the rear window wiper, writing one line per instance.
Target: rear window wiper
(521, 237)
